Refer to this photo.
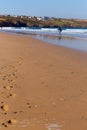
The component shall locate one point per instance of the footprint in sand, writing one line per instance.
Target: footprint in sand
(12, 121)
(12, 95)
(20, 61)
(4, 78)
(10, 78)
(4, 124)
(5, 107)
(9, 122)
(11, 81)
(29, 105)
(2, 102)
(8, 87)
(15, 112)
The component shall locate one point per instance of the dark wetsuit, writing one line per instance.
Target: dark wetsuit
(60, 30)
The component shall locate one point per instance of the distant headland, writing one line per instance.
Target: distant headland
(45, 22)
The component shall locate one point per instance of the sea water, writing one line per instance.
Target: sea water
(72, 38)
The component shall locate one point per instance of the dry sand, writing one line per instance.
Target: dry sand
(42, 86)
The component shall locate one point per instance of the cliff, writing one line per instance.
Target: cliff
(9, 21)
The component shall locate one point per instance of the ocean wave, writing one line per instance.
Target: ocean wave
(47, 31)
(50, 29)
(75, 31)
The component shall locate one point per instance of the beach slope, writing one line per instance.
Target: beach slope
(42, 86)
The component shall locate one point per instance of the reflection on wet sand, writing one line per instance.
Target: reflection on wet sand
(65, 41)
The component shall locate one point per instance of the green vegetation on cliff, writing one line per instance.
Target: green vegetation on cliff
(23, 21)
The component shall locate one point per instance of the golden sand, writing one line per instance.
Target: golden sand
(47, 85)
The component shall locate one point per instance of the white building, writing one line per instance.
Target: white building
(39, 18)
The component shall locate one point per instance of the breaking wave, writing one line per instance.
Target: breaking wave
(82, 33)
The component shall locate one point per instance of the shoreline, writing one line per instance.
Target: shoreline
(42, 85)
(43, 34)
(75, 43)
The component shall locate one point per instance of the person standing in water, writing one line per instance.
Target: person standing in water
(60, 30)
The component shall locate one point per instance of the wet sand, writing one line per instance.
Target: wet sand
(42, 86)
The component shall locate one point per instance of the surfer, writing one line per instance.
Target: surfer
(59, 29)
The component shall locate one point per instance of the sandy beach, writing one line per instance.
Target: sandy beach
(42, 86)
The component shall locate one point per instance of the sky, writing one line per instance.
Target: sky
(51, 8)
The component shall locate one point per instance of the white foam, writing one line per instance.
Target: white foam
(75, 31)
(48, 31)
